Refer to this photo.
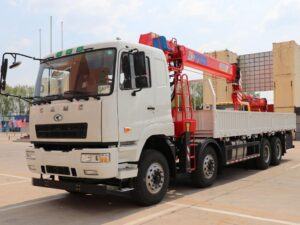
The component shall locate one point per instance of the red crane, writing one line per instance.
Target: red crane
(258, 104)
(179, 57)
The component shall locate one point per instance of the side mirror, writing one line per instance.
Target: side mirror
(139, 63)
(15, 64)
(141, 82)
(3, 74)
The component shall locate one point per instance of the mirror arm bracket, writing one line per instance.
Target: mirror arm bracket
(135, 91)
(133, 50)
(15, 54)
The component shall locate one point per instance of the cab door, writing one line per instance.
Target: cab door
(136, 107)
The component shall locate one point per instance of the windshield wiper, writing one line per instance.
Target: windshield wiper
(74, 92)
(81, 95)
(26, 99)
(49, 98)
(70, 96)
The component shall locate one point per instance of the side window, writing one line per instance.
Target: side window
(125, 74)
(129, 77)
(148, 71)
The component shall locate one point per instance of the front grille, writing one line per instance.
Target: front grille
(66, 130)
(58, 170)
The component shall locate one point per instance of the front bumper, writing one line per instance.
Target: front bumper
(70, 186)
(71, 161)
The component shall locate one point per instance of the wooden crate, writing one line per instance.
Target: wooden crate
(222, 88)
(286, 72)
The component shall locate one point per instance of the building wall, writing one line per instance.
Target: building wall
(277, 70)
(286, 59)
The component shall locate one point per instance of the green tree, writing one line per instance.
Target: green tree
(253, 93)
(196, 91)
(13, 106)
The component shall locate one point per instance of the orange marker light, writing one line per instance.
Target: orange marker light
(188, 125)
(104, 158)
(127, 130)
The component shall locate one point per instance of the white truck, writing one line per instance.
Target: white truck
(102, 118)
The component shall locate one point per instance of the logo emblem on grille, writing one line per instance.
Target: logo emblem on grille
(58, 117)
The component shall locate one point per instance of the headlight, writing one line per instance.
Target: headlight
(95, 157)
(30, 155)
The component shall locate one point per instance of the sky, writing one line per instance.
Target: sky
(204, 25)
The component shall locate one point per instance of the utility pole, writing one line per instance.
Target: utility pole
(62, 35)
(50, 34)
(40, 42)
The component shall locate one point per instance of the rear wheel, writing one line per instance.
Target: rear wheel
(263, 161)
(276, 151)
(152, 181)
(207, 168)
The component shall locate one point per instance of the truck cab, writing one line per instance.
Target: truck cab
(97, 107)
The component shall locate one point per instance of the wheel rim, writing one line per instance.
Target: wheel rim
(278, 150)
(266, 153)
(155, 178)
(209, 166)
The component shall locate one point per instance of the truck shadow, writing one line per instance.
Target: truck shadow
(242, 171)
(89, 209)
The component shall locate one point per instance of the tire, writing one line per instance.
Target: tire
(263, 161)
(74, 193)
(152, 181)
(276, 151)
(206, 169)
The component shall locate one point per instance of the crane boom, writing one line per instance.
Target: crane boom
(189, 58)
(208, 64)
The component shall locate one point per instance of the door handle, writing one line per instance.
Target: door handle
(151, 108)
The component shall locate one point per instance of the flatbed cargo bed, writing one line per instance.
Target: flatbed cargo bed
(227, 123)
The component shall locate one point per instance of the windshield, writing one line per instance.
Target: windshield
(86, 74)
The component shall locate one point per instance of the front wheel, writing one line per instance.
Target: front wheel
(152, 181)
(207, 168)
(75, 193)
